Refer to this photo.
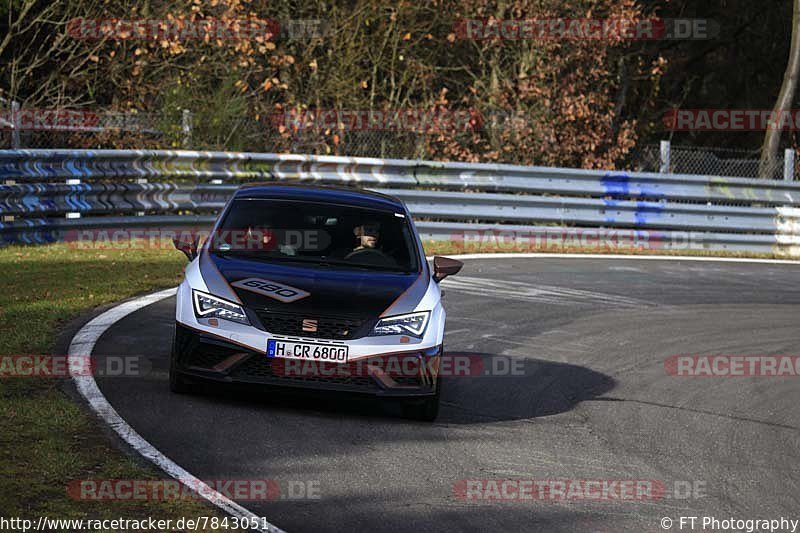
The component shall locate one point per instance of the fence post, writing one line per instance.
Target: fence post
(186, 128)
(788, 164)
(15, 124)
(665, 157)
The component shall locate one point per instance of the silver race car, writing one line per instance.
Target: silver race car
(313, 287)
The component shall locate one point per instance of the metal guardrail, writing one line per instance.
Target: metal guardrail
(45, 193)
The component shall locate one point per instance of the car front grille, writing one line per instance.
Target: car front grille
(288, 371)
(338, 328)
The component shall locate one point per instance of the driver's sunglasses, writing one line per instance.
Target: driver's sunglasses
(372, 231)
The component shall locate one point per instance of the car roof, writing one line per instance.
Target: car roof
(319, 193)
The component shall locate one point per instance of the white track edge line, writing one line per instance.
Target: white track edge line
(81, 346)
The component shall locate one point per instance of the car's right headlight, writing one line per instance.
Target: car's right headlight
(412, 324)
(209, 306)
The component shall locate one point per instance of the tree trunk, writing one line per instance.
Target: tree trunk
(772, 139)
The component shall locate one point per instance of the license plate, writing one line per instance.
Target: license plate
(307, 351)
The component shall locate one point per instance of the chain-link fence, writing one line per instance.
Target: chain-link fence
(382, 144)
(6, 124)
(47, 128)
(89, 129)
(708, 161)
(22, 127)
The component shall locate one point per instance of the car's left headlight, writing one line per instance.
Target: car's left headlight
(209, 306)
(412, 324)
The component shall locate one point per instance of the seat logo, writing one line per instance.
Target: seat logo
(273, 289)
(309, 324)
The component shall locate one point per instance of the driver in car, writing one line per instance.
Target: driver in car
(367, 235)
(366, 250)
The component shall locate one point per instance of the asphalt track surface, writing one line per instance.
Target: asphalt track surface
(593, 402)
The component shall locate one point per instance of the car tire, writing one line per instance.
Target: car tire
(424, 410)
(177, 383)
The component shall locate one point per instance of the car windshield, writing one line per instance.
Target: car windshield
(322, 235)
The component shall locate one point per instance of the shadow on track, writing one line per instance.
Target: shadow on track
(534, 388)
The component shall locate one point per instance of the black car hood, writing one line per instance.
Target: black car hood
(332, 291)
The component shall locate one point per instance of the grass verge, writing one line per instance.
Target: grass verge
(46, 440)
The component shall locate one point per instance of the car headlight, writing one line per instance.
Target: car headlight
(208, 306)
(412, 324)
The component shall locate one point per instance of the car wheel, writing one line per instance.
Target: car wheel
(177, 384)
(424, 410)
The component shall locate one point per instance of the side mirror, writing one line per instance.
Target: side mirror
(444, 266)
(188, 248)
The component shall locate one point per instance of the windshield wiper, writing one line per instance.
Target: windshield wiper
(361, 266)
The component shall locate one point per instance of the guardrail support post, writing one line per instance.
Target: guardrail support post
(15, 124)
(9, 218)
(186, 128)
(788, 164)
(140, 180)
(664, 168)
(73, 181)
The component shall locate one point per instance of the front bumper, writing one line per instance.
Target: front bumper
(408, 372)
